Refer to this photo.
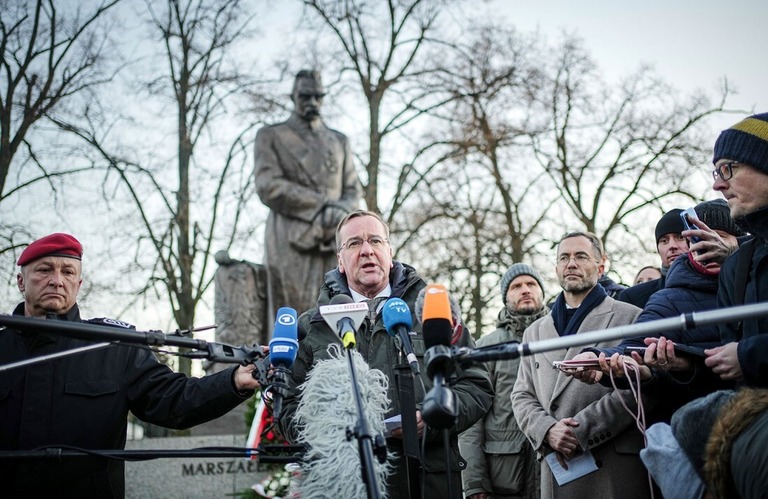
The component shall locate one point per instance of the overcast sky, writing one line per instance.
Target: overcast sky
(691, 43)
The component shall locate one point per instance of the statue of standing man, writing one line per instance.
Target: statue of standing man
(304, 174)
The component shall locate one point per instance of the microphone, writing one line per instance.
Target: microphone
(437, 325)
(397, 320)
(344, 317)
(440, 409)
(282, 355)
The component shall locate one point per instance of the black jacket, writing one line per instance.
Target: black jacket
(610, 286)
(639, 294)
(753, 339)
(82, 400)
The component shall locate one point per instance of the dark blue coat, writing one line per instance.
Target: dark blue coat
(686, 290)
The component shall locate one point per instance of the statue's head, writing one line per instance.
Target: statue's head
(307, 94)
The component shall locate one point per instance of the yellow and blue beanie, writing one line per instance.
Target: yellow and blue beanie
(745, 142)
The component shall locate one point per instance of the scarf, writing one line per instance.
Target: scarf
(515, 324)
(701, 269)
(563, 326)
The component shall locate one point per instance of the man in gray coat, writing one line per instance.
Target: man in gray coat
(304, 174)
(563, 418)
(500, 461)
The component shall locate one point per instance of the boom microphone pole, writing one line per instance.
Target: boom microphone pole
(691, 320)
(217, 352)
(345, 317)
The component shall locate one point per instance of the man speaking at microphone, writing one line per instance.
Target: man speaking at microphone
(367, 272)
(82, 400)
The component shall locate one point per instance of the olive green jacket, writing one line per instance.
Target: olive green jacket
(471, 386)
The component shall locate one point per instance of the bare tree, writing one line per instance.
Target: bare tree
(385, 47)
(536, 149)
(51, 64)
(495, 202)
(614, 152)
(180, 211)
(196, 35)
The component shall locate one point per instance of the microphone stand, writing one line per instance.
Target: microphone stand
(365, 439)
(404, 377)
(439, 410)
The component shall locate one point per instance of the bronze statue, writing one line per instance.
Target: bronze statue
(304, 174)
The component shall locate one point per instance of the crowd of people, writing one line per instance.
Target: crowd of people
(619, 418)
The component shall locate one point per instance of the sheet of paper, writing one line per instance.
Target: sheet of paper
(578, 466)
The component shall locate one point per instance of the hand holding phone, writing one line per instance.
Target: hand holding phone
(682, 350)
(686, 216)
(569, 366)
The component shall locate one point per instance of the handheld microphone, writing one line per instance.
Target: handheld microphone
(344, 317)
(397, 320)
(282, 354)
(439, 410)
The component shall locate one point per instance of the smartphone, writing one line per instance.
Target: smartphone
(682, 350)
(575, 365)
(686, 215)
(639, 350)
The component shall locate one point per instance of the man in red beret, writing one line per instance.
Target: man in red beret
(82, 400)
(50, 272)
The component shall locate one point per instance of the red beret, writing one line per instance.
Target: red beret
(58, 244)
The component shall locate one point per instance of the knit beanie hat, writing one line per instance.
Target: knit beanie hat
(717, 215)
(670, 222)
(667, 464)
(514, 271)
(745, 142)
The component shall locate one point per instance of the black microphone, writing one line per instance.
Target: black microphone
(282, 355)
(440, 409)
(344, 317)
(397, 320)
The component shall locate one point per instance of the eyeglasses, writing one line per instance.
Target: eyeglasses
(354, 244)
(724, 171)
(580, 259)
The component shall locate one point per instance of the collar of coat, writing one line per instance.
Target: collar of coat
(34, 339)
(402, 277)
(755, 223)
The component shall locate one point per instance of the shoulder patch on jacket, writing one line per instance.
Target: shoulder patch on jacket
(105, 321)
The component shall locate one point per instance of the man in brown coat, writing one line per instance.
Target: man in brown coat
(563, 418)
(304, 174)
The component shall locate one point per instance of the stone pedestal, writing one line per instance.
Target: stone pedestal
(183, 478)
